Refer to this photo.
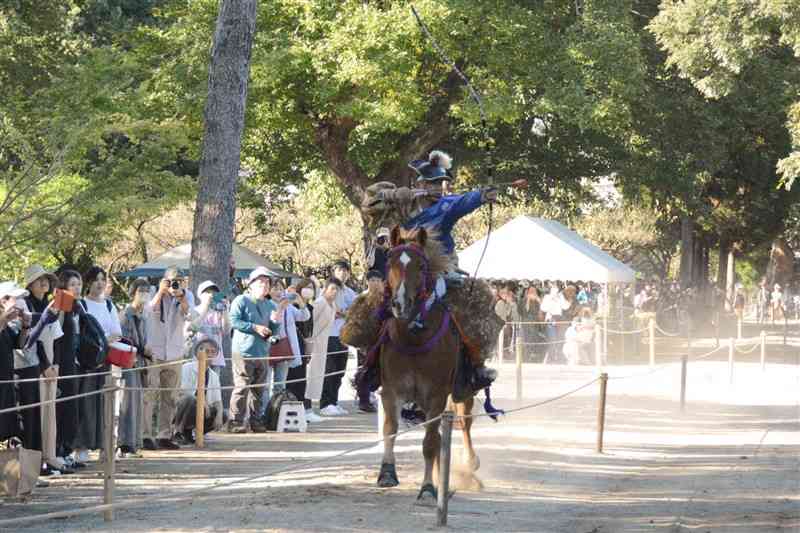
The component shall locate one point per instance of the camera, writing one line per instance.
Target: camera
(175, 285)
(273, 340)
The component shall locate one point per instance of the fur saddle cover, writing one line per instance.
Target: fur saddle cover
(472, 308)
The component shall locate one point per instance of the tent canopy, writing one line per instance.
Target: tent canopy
(536, 248)
(246, 260)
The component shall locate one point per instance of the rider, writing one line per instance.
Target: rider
(430, 206)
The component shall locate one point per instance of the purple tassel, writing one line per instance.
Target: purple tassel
(490, 409)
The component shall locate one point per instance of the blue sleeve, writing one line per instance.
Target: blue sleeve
(239, 316)
(464, 205)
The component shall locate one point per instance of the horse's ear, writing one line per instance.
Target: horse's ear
(422, 237)
(394, 236)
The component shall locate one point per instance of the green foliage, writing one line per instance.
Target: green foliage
(717, 43)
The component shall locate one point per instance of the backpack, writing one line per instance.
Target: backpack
(274, 408)
(93, 346)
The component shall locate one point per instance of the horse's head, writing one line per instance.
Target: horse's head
(409, 277)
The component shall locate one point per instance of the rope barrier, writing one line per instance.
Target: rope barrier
(747, 352)
(667, 333)
(507, 412)
(623, 332)
(182, 496)
(664, 365)
(57, 400)
(157, 365)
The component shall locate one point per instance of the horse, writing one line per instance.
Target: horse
(419, 364)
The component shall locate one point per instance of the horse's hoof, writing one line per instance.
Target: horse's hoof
(388, 476)
(428, 495)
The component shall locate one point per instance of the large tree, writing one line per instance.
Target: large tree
(228, 74)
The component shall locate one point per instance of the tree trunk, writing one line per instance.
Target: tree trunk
(722, 268)
(687, 252)
(214, 217)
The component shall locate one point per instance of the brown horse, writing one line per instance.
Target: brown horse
(418, 364)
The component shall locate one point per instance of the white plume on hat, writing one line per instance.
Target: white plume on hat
(441, 159)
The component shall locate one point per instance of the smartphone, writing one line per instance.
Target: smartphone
(218, 301)
(290, 296)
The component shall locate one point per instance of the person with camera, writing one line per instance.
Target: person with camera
(291, 309)
(379, 256)
(210, 320)
(165, 318)
(252, 329)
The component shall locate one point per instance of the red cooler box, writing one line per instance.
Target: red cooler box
(122, 354)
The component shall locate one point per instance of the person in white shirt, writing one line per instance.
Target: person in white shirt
(317, 344)
(165, 319)
(336, 362)
(90, 408)
(184, 422)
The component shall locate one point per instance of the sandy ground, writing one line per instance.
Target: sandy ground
(731, 462)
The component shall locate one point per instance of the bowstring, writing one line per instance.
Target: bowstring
(484, 126)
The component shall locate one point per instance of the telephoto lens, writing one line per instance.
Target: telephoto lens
(175, 285)
(273, 340)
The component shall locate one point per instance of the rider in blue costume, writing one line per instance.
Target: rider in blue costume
(430, 206)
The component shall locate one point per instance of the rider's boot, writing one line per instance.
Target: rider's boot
(483, 377)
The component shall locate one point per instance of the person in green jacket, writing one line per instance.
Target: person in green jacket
(252, 329)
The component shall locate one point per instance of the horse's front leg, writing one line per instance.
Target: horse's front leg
(391, 412)
(431, 447)
(469, 457)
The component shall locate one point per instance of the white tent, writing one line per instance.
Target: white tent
(246, 260)
(536, 248)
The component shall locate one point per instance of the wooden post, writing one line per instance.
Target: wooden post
(716, 329)
(763, 350)
(738, 327)
(598, 348)
(605, 337)
(200, 419)
(518, 345)
(444, 469)
(110, 446)
(730, 358)
(601, 412)
(684, 364)
(652, 327)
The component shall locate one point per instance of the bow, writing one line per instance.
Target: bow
(484, 123)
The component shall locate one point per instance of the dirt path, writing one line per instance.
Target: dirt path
(731, 463)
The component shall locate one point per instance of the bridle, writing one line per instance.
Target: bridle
(425, 288)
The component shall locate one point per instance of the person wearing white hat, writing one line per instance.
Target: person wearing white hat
(210, 320)
(13, 334)
(252, 328)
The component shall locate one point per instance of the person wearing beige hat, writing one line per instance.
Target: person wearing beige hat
(40, 283)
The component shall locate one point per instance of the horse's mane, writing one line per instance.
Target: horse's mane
(437, 259)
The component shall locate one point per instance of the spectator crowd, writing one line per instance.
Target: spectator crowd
(278, 338)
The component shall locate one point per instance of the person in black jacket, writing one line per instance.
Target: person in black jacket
(66, 351)
(13, 333)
